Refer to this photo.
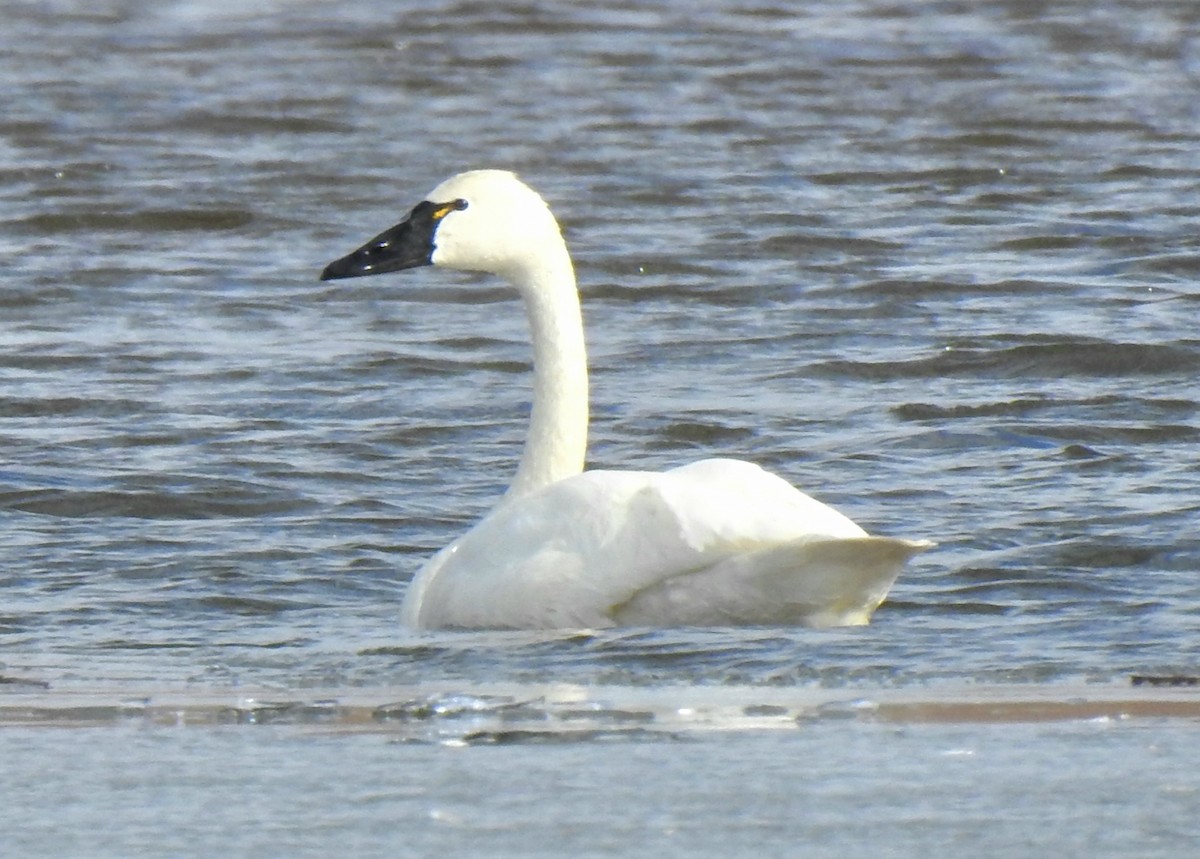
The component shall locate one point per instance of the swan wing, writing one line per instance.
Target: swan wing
(719, 541)
(821, 582)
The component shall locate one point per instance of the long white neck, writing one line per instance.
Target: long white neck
(557, 439)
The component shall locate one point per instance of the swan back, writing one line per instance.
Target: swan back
(716, 542)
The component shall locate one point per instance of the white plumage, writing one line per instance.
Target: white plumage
(717, 542)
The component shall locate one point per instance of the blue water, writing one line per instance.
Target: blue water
(933, 263)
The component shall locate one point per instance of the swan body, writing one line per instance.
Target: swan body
(717, 542)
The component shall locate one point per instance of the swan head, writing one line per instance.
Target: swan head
(482, 220)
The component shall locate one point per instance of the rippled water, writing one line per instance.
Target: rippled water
(935, 263)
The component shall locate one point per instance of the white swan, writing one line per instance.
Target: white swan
(713, 543)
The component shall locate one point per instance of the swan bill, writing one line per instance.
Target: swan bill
(409, 244)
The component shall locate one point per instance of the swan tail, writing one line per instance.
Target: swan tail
(820, 583)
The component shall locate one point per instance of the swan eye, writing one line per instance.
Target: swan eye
(446, 208)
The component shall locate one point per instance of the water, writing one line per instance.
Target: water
(935, 263)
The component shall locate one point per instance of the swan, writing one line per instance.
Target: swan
(714, 543)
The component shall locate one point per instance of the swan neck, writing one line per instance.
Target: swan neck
(556, 443)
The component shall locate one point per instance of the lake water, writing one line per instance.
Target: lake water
(935, 263)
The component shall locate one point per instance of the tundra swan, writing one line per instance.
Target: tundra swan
(717, 542)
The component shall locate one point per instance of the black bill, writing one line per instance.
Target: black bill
(407, 245)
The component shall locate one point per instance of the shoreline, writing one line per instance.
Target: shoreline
(437, 712)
